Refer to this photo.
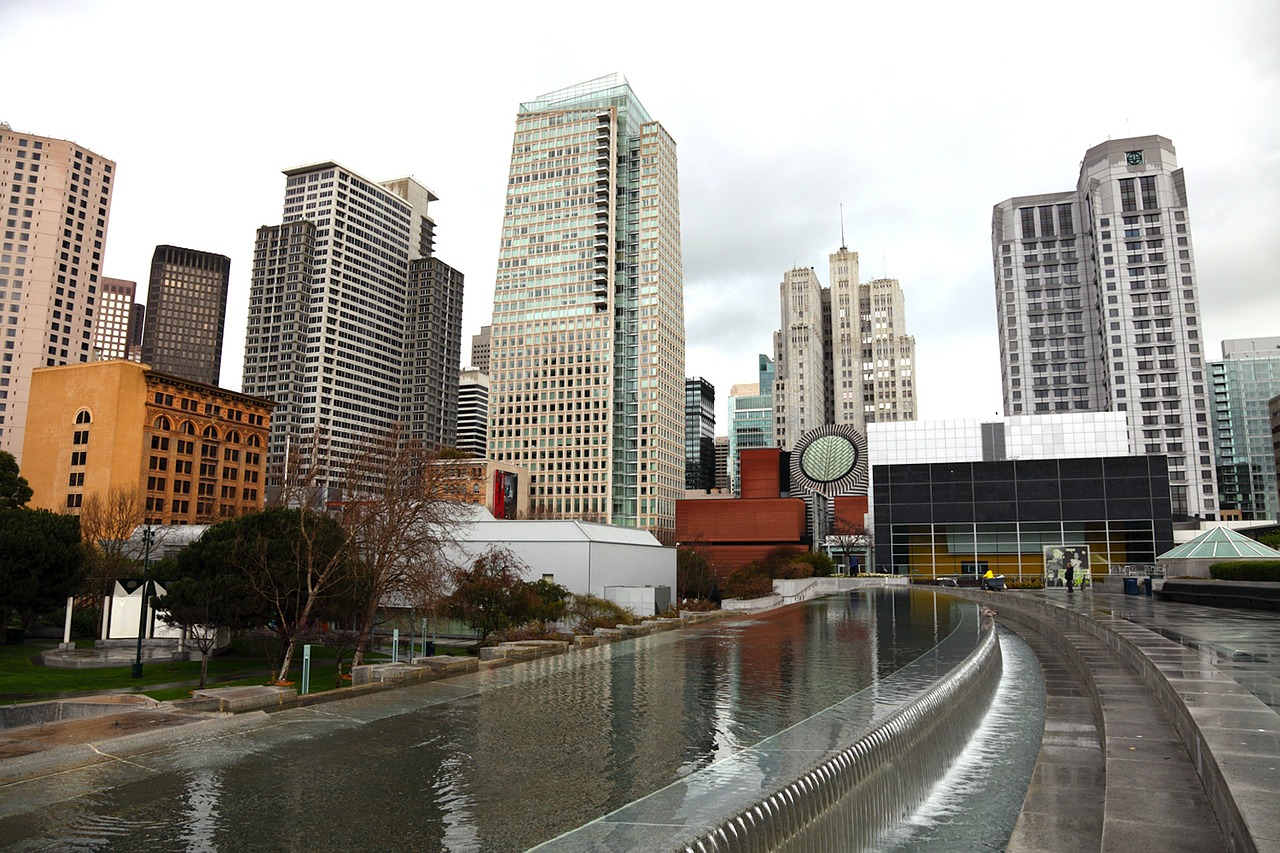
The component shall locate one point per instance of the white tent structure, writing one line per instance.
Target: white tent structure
(581, 556)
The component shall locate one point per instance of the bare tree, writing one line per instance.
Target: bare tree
(399, 515)
(851, 536)
(107, 523)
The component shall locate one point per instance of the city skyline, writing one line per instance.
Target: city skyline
(916, 160)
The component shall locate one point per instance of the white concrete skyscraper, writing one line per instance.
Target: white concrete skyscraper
(352, 322)
(587, 352)
(843, 356)
(1098, 307)
(57, 199)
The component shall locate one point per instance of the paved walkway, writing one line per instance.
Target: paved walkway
(1184, 698)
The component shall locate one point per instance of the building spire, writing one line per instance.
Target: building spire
(843, 245)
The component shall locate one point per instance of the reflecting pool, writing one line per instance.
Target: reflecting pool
(510, 758)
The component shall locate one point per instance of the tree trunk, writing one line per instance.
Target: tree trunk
(204, 666)
(366, 631)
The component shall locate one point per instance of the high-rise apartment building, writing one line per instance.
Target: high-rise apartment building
(751, 421)
(480, 344)
(1246, 378)
(842, 353)
(56, 202)
(722, 462)
(1098, 308)
(587, 359)
(473, 413)
(699, 434)
(186, 313)
(113, 321)
(349, 321)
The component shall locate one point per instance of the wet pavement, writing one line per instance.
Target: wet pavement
(1184, 698)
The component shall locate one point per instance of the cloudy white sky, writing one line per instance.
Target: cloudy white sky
(916, 117)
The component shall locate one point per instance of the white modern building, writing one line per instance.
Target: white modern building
(113, 321)
(473, 412)
(842, 354)
(354, 327)
(587, 340)
(1098, 307)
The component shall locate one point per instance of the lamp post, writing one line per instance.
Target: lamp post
(142, 614)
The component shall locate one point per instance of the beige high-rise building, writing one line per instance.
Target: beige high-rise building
(842, 355)
(587, 357)
(480, 349)
(112, 322)
(57, 200)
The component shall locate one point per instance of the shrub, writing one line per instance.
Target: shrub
(698, 605)
(1246, 570)
(587, 612)
(536, 630)
(794, 570)
(748, 582)
(822, 565)
(1027, 583)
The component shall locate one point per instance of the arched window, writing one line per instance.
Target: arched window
(233, 437)
(188, 428)
(254, 441)
(211, 432)
(83, 417)
(162, 423)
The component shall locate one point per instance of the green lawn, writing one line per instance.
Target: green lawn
(22, 679)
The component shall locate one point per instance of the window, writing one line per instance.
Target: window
(1128, 197)
(81, 436)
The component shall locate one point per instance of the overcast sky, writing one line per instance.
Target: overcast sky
(917, 118)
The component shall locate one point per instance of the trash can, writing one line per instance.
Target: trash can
(1130, 586)
(429, 648)
(1147, 585)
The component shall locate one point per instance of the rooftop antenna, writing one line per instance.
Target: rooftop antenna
(843, 245)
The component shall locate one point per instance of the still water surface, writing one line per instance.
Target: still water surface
(497, 761)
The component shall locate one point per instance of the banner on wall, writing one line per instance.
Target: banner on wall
(505, 484)
(1066, 563)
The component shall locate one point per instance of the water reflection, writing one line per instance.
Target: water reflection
(501, 760)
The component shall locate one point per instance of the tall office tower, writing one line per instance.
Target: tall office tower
(480, 349)
(1243, 382)
(337, 328)
(473, 413)
(801, 356)
(699, 434)
(751, 419)
(57, 198)
(587, 363)
(1098, 308)
(186, 313)
(722, 462)
(843, 355)
(112, 322)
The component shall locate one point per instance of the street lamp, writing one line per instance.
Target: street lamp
(147, 534)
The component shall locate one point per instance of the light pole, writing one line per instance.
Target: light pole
(142, 615)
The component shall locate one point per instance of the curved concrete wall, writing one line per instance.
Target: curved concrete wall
(849, 799)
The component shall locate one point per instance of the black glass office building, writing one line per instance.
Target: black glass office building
(957, 518)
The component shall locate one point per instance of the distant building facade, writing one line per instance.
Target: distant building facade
(480, 345)
(473, 413)
(56, 231)
(186, 313)
(722, 462)
(194, 453)
(1098, 307)
(699, 434)
(1246, 378)
(113, 321)
(750, 418)
(842, 354)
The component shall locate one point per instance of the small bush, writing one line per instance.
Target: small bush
(1028, 583)
(794, 570)
(698, 605)
(822, 565)
(1246, 570)
(587, 612)
(535, 630)
(748, 582)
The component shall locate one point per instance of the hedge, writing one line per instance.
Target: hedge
(1246, 570)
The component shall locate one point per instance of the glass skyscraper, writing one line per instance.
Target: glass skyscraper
(1246, 378)
(750, 419)
(587, 341)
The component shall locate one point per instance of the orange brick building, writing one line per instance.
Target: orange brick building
(195, 452)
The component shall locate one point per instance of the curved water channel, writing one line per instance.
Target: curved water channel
(513, 758)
